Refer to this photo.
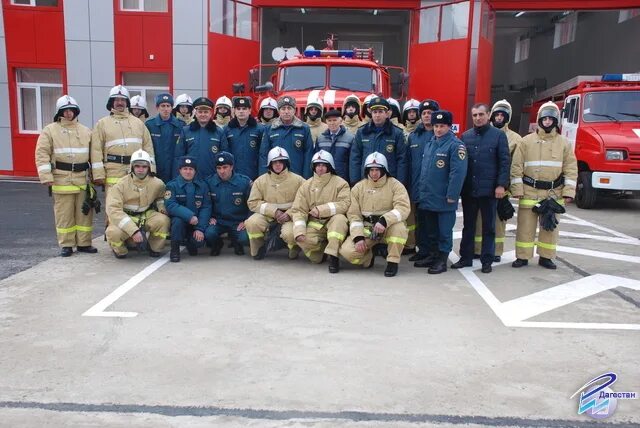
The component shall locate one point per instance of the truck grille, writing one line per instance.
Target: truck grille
(634, 156)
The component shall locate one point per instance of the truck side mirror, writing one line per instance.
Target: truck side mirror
(253, 79)
(267, 87)
(404, 84)
(237, 88)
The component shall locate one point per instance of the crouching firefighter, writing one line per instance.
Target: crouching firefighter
(379, 207)
(135, 206)
(271, 198)
(62, 159)
(189, 207)
(319, 223)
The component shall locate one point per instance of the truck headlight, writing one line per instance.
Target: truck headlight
(616, 155)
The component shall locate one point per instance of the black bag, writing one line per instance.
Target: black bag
(505, 209)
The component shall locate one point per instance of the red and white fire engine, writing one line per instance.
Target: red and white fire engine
(601, 119)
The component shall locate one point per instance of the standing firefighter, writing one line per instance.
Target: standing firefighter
(62, 158)
(115, 138)
(319, 223)
(268, 111)
(271, 198)
(135, 206)
(351, 108)
(543, 176)
(183, 108)
(379, 207)
(314, 113)
(139, 108)
(222, 111)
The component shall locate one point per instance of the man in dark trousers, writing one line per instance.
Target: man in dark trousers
(486, 182)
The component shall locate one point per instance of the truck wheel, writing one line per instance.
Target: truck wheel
(586, 195)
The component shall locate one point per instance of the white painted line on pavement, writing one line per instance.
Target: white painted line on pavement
(604, 229)
(599, 254)
(576, 325)
(98, 310)
(616, 239)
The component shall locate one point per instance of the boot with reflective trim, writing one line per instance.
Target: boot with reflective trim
(547, 263)
(440, 265)
(391, 269)
(174, 255)
(334, 264)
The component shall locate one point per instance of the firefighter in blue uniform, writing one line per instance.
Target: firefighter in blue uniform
(336, 140)
(229, 192)
(293, 135)
(168, 139)
(203, 138)
(244, 136)
(444, 168)
(379, 135)
(188, 204)
(416, 142)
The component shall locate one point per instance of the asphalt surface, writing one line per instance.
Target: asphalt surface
(228, 341)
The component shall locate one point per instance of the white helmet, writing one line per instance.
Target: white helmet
(63, 103)
(269, 103)
(277, 153)
(137, 101)
(183, 100)
(140, 156)
(549, 109)
(395, 112)
(411, 104)
(376, 160)
(118, 91)
(368, 99)
(314, 102)
(323, 156)
(223, 101)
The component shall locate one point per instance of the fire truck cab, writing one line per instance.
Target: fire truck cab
(601, 120)
(328, 75)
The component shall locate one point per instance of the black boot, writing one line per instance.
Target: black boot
(462, 263)
(440, 265)
(261, 253)
(547, 263)
(216, 248)
(154, 254)
(238, 249)
(518, 263)
(192, 249)
(87, 249)
(334, 264)
(391, 270)
(428, 261)
(496, 259)
(418, 256)
(407, 251)
(174, 255)
(66, 252)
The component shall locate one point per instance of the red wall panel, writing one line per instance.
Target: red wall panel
(229, 60)
(49, 33)
(128, 40)
(20, 35)
(484, 71)
(157, 41)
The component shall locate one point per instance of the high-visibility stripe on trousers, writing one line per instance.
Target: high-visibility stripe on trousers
(157, 224)
(318, 241)
(501, 229)
(395, 236)
(72, 227)
(526, 235)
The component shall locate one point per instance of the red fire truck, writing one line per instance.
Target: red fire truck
(601, 119)
(328, 74)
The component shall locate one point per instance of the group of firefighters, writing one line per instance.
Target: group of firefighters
(368, 180)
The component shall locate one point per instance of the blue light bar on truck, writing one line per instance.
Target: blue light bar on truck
(315, 53)
(632, 77)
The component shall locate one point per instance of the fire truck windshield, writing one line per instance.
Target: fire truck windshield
(623, 106)
(347, 78)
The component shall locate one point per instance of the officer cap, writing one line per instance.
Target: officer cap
(429, 105)
(164, 98)
(379, 103)
(224, 158)
(241, 102)
(286, 100)
(442, 116)
(203, 102)
(187, 161)
(332, 113)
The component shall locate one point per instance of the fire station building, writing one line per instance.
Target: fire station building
(457, 52)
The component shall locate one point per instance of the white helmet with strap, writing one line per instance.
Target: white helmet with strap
(223, 101)
(411, 104)
(368, 99)
(269, 103)
(66, 102)
(549, 109)
(137, 101)
(314, 102)
(118, 91)
(277, 153)
(323, 156)
(183, 100)
(140, 156)
(376, 160)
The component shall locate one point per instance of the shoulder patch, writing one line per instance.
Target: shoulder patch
(462, 152)
(167, 194)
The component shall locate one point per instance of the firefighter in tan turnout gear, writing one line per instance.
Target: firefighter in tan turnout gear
(379, 207)
(62, 159)
(115, 138)
(543, 166)
(135, 206)
(314, 112)
(500, 118)
(351, 108)
(222, 111)
(271, 198)
(319, 224)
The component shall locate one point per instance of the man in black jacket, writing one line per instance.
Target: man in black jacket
(486, 181)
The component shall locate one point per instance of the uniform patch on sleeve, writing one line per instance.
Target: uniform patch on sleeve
(167, 194)
(462, 152)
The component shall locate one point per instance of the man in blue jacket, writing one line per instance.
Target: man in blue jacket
(444, 167)
(188, 204)
(229, 193)
(168, 139)
(416, 142)
(293, 135)
(204, 139)
(486, 182)
(336, 140)
(244, 136)
(379, 135)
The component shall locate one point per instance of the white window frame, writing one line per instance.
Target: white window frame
(567, 26)
(140, 7)
(523, 45)
(143, 93)
(36, 86)
(627, 14)
(32, 3)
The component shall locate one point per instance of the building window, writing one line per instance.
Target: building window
(51, 3)
(628, 14)
(147, 85)
(565, 30)
(522, 49)
(144, 5)
(38, 90)
(232, 18)
(446, 22)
